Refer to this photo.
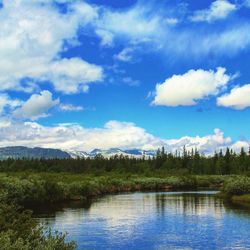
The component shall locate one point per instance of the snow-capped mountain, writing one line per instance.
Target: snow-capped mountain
(48, 153)
(77, 154)
(138, 153)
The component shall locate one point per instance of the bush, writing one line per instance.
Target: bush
(237, 186)
(30, 190)
(49, 242)
(19, 231)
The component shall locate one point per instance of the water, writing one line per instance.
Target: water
(168, 220)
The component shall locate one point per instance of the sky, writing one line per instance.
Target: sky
(80, 75)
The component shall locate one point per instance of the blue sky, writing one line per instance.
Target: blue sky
(133, 73)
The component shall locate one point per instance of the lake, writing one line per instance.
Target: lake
(165, 220)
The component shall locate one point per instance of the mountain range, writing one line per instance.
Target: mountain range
(18, 152)
(112, 152)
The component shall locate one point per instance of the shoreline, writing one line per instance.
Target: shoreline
(50, 208)
(242, 200)
(116, 190)
(47, 189)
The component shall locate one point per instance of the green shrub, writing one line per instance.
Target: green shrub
(30, 189)
(237, 186)
(19, 231)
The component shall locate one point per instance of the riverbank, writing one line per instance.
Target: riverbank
(28, 188)
(241, 199)
(237, 190)
(43, 188)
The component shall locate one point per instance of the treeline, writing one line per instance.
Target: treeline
(190, 162)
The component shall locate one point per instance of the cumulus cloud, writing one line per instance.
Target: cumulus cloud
(187, 89)
(36, 106)
(32, 36)
(206, 144)
(219, 9)
(114, 134)
(238, 98)
(72, 75)
(34, 33)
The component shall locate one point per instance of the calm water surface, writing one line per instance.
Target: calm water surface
(176, 220)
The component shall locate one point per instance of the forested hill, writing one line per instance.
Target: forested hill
(35, 153)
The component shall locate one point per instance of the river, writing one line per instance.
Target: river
(165, 220)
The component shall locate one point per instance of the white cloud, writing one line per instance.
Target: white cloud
(134, 22)
(32, 36)
(72, 75)
(70, 107)
(206, 144)
(187, 89)
(171, 21)
(36, 106)
(238, 98)
(156, 31)
(106, 37)
(7, 102)
(114, 134)
(238, 145)
(219, 9)
(125, 55)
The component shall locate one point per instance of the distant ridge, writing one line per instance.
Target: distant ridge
(18, 152)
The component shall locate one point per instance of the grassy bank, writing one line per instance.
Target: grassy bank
(24, 188)
(237, 190)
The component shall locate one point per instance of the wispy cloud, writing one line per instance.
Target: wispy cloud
(218, 9)
(70, 107)
(6, 102)
(154, 30)
(126, 55)
(130, 81)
